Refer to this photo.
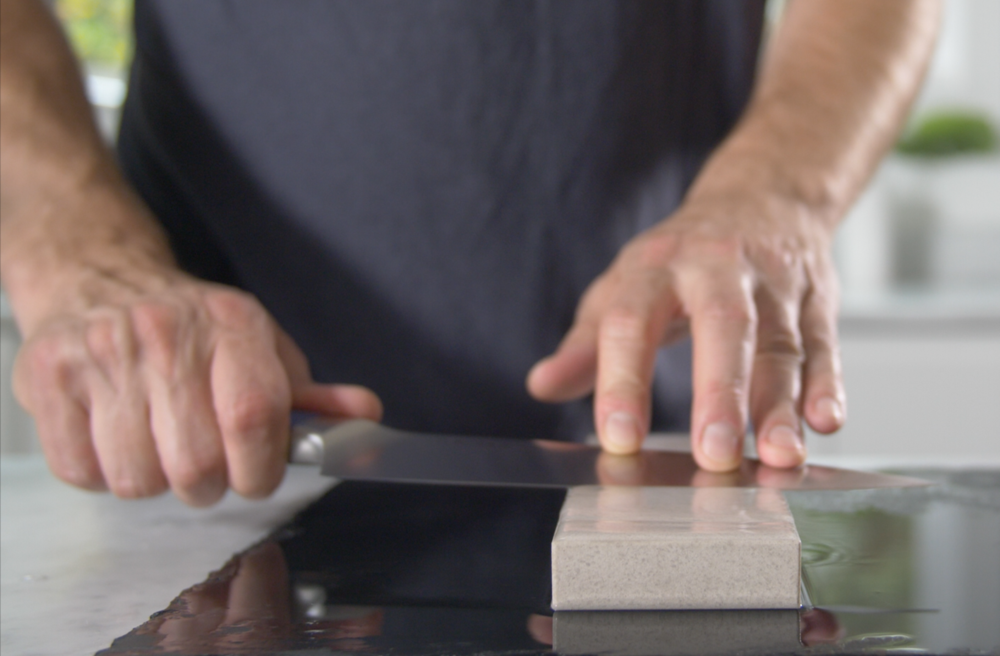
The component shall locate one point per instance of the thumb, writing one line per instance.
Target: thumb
(338, 401)
(569, 373)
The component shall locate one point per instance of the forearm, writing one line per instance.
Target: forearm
(63, 204)
(833, 92)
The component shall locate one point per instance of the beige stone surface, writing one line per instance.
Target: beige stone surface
(619, 548)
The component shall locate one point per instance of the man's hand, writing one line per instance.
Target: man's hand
(139, 377)
(754, 283)
(162, 380)
(745, 262)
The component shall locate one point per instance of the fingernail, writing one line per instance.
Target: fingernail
(784, 437)
(830, 407)
(719, 442)
(621, 433)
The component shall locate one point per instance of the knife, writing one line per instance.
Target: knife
(365, 450)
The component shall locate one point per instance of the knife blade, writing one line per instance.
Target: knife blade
(365, 450)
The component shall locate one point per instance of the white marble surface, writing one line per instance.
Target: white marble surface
(79, 569)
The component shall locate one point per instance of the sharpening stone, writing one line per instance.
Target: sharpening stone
(662, 548)
(693, 632)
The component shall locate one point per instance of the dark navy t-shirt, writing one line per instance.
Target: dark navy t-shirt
(420, 191)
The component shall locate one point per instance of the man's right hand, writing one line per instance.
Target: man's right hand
(170, 382)
(140, 377)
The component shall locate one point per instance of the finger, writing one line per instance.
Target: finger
(64, 434)
(347, 401)
(704, 478)
(770, 500)
(824, 397)
(119, 414)
(292, 358)
(629, 336)
(723, 329)
(188, 440)
(819, 627)
(125, 446)
(204, 610)
(252, 400)
(780, 479)
(176, 376)
(43, 382)
(614, 469)
(540, 628)
(259, 593)
(570, 372)
(776, 385)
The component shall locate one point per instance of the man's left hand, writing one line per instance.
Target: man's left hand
(752, 281)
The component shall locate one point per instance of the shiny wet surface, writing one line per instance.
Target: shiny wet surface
(413, 569)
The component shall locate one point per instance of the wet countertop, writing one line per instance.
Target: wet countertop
(381, 568)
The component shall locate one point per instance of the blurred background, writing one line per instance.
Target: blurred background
(918, 256)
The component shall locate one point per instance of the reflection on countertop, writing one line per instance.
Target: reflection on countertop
(409, 569)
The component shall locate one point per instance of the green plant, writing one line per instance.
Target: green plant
(947, 133)
(99, 30)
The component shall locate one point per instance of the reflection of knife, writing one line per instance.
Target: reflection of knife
(364, 450)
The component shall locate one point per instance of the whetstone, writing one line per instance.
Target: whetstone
(653, 633)
(662, 548)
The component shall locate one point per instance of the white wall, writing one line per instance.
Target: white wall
(924, 394)
(936, 224)
(965, 71)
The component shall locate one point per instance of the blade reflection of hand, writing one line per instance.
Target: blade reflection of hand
(819, 627)
(246, 608)
(615, 469)
(780, 479)
(246, 603)
(540, 629)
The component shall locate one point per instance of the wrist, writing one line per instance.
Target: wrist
(742, 172)
(69, 253)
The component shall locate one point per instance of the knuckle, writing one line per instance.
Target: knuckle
(781, 261)
(136, 487)
(653, 250)
(42, 353)
(624, 326)
(245, 417)
(33, 366)
(192, 474)
(44, 364)
(157, 327)
(106, 338)
(725, 249)
(259, 487)
(624, 391)
(821, 342)
(735, 389)
(782, 344)
(733, 311)
(78, 475)
(234, 309)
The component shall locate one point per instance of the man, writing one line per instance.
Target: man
(419, 193)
